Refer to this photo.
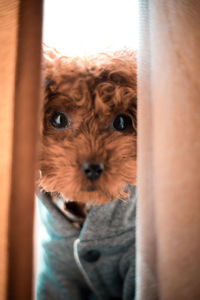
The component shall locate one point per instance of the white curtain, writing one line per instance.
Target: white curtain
(168, 220)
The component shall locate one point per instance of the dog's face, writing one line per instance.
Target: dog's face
(88, 151)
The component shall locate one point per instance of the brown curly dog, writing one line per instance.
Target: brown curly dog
(88, 151)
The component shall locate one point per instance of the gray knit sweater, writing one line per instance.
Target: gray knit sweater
(96, 262)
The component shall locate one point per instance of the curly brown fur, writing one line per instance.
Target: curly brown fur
(91, 92)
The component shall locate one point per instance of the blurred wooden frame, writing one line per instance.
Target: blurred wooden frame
(20, 56)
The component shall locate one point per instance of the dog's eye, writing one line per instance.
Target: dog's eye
(59, 120)
(122, 122)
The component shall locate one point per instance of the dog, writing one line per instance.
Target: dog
(86, 187)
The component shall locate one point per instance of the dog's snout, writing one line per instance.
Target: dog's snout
(92, 170)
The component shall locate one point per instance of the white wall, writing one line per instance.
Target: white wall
(82, 27)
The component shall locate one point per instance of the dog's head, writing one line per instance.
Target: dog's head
(88, 151)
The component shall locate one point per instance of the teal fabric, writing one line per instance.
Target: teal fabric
(64, 270)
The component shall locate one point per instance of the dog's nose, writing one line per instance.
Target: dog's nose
(92, 170)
